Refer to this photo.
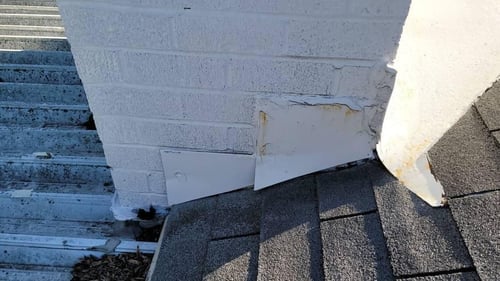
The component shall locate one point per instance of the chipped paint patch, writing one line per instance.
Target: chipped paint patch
(21, 193)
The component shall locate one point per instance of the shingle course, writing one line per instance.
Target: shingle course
(420, 238)
(488, 106)
(354, 249)
(466, 159)
(345, 192)
(232, 259)
(236, 214)
(290, 240)
(461, 276)
(183, 249)
(478, 218)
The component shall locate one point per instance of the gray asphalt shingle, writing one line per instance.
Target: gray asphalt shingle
(290, 240)
(420, 239)
(488, 106)
(232, 259)
(354, 249)
(237, 213)
(404, 239)
(460, 276)
(496, 135)
(478, 218)
(345, 192)
(184, 246)
(466, 159)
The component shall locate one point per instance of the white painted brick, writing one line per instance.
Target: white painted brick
(105, 27)
(219, 108)
(97, 66)
(296, 7)
(372, 8)
(174, 70)
(239, 34)
(140, 200)
(245, 139)
(138, 180)
(122, 130)
(133, 157)
(343, 39)
(356, 82)
(158, 45)
(383, 81)
(378, 8)
(171, 104)
(301, 77)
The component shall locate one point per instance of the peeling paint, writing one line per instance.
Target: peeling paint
(21, 193)
(350, 102)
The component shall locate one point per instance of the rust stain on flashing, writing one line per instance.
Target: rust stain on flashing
(410, 161)
(263, 118)
(263, 149)
(337, 107)
(330, 107)
(350, 112)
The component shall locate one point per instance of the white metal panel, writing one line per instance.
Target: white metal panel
(191, 175)
(302, 134)
(449, 53)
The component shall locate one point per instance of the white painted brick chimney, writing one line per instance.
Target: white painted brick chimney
(186, 75)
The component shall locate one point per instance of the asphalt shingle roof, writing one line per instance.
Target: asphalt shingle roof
(354, 224)
(467, 160)
(420, 238)
(488, 106)
(354, 249)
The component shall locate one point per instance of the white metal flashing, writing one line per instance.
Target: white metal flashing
(191, 175)
(449, 53)
(299, 135)
(72, 243)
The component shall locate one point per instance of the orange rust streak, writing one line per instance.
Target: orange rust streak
(263, 118)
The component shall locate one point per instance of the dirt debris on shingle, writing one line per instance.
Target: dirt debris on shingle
(420, 238)
(478, 218)
(345, 192)
(354, 249)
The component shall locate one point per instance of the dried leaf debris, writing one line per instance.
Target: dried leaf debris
(123, 267)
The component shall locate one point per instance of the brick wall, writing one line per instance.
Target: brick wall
(186, 74)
